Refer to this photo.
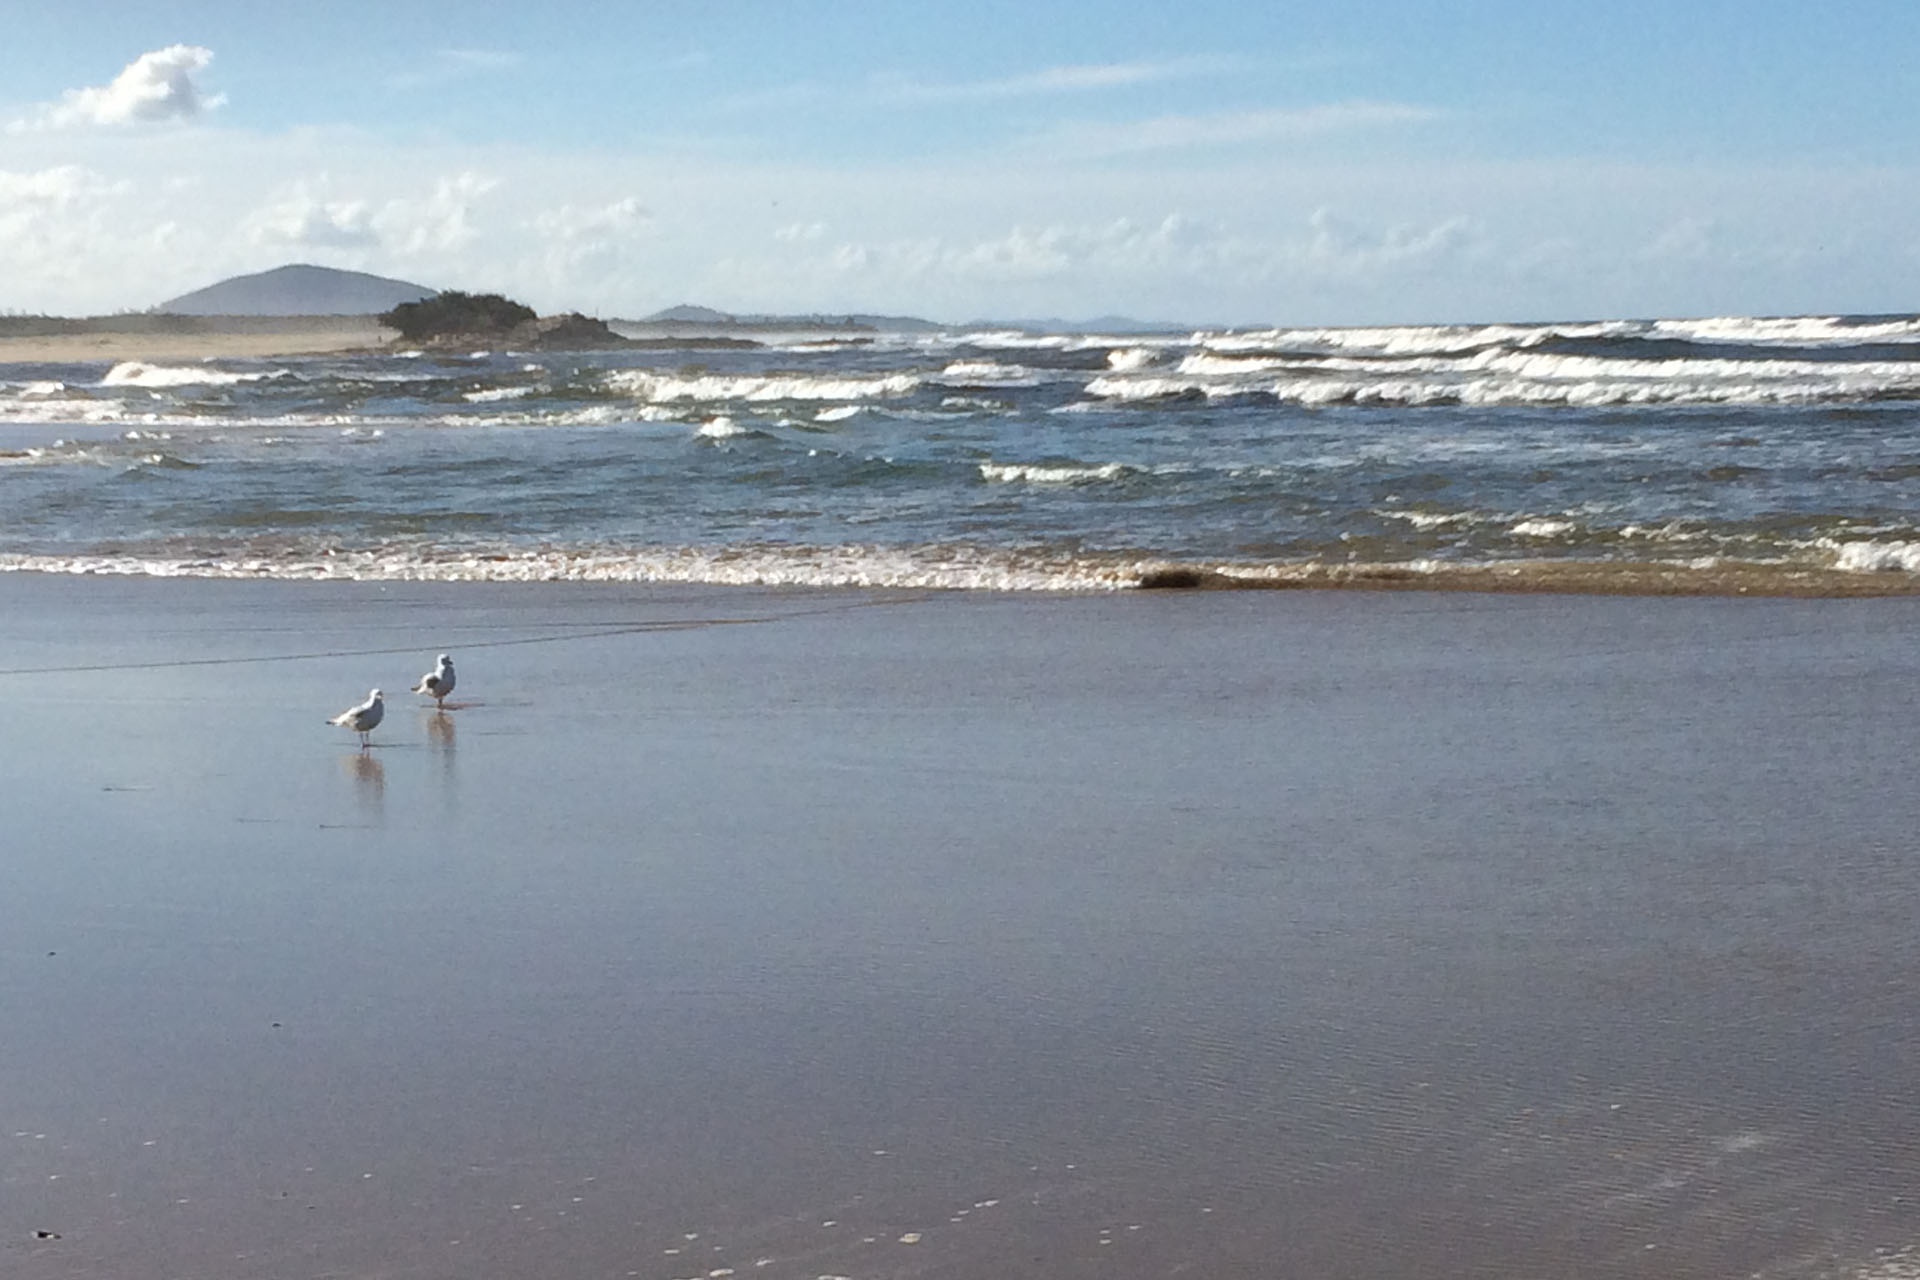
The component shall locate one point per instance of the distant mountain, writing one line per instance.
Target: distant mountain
(687, 313)
(298, 290)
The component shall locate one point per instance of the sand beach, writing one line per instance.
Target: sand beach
(52, 340)
(804, 933)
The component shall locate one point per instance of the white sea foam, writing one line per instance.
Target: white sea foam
(1110, 387)
(720, 428)
(839, 413)
(946, 568)
(493, 395)
(1009, 473)
(1890, 1264)
(1431, 519)
(1407, 339)
(1206, 364)
(987, 373)
(657, 388)
(1562, 387)
(1015, 340)
(1131, 359)
(62, 409)
(1874, 557)
(34, 389)
(1542, 527)
(1857, 377)
(134, 373)
(1790, 330)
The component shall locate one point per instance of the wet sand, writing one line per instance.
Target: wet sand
(800, 934)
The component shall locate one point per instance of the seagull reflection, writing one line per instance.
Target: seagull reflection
(369, 781)
(440, 741)
(440, 732)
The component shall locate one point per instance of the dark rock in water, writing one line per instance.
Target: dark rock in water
(569, 332)
(1172, 578)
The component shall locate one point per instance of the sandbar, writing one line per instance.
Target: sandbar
(38, 340)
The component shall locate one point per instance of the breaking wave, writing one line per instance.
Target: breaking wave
(133, 373)
(658, 388)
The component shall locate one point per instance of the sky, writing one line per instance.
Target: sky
(1202, 162)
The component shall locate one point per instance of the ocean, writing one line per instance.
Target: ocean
(1768, 453)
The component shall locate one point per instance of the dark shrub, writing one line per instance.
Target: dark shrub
(453, 312)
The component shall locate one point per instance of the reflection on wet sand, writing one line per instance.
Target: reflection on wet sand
(440, 733)
(441, 741)
(369, 782)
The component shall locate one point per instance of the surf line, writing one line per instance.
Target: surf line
(599, 632)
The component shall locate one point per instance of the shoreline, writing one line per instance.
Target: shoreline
(1528, 578)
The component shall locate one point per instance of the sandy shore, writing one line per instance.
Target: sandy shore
(144, 337)
(797, 934)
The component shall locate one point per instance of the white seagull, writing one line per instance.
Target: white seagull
(438, 683)
(363, 718)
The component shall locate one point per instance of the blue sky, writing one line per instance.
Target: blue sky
(1203, 162)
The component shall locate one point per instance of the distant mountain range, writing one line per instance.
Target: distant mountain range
(298, 290)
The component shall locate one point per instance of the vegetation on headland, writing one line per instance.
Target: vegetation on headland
(456, 314)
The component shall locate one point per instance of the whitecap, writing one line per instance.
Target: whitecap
(493, 395)
(1874, 557)
(987, 373)
(656, 388)
(1008, 473)
(134, 373)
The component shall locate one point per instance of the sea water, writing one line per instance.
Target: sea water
(1712, 449)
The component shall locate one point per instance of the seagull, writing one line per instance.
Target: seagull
(363, 718)
(438, 683)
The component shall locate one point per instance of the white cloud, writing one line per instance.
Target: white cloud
(1687, 240)
(897, 89)
(442, 223)
(952, 235)
(443, 65)
(585, 247)
(570, 223)
(1336, 247)
(60, 228)
(154, 88)
(1152, 265)
(57, 189)
(305, 215)
(1231, 128)
(1050, 80)
(302, 219)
